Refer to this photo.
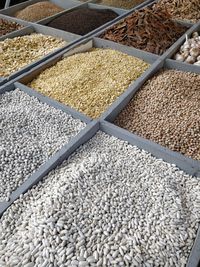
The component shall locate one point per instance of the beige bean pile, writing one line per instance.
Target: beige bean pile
(126, 4)
(167, 110)
(38, 11)
(90, 82)
(18, 52)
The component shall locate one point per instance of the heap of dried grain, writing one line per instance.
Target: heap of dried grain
(20, 51)
(181, 9)
(90, 82)
(38, 11)
(149, 29)
(167, 110)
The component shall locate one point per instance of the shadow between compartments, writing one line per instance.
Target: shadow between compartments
(58, 156)
(35, 28)
(132, 139)
(85, 46)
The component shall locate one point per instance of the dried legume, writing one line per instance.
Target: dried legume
(109, 204)
(7, 26)
(167, 110)
(38, 11)
(91, 81)
(181, 9)
(83, 20)
(126, 4)
(18, 52)
(144, 28)
(30, 133)
(190, 50)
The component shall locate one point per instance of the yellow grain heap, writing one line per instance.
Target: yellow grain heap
(90, 81)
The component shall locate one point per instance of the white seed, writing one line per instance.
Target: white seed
(31, 132)
(145, 222)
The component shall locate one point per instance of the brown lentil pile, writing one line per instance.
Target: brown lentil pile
(38, 11)
(126, 4)
(83, 20)
(167, 110)
(8, 26)
(144, 28)
(181, 9)
(90, 81)
(20, 51)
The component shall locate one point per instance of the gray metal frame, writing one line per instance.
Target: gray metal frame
(175, 48)
(119, 11)
(84, 46)
(22, 23)
(112, 130)
(104, 123)
(115, 109)
(70, 37)
(187, 22)
(57, 157)
(10, 11)
(190, 26)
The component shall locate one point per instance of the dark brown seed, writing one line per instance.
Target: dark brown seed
(83, 20)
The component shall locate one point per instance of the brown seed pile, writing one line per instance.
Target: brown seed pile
(149, 29)
(8, 26)
(38, 11)
(181, 9)
(126, 4)
(18, 52)
(90, 81)
(82, 20)
(167, 110)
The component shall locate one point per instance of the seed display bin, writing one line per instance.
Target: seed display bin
(9, 3)
(186, 22)
(89, 5)
(85, 46)
(190, 27)
(10, 11)
(78, 44)
(22, 23)
(108, 128)
(171, 53)
(58, 156)
(34, 28)
(123, 100)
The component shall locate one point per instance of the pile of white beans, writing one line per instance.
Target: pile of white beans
(108, 204)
